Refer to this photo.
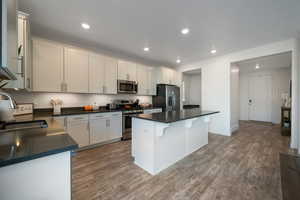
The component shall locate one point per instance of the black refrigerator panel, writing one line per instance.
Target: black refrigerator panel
(167, 98)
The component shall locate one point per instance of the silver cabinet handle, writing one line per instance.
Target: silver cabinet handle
(21, 59)
(62, 87)
(28, 83)
(65, 123)
(107, 123)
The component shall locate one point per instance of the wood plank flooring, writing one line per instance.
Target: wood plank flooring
(244, 166)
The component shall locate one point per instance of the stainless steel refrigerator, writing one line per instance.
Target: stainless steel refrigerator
(168, 97)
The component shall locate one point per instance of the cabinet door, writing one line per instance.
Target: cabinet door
(96, 73)
(142, 79)
(110, 84)
(47, 66)
(98, 130)
(76, 70)
(176, 79)
(169, 76)
(79, 131)
(151, 81)
(132, 71)
(114, 125)
(60, 122)
(123, 70)
(127, 71)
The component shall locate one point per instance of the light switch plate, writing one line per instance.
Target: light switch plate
(23, 109)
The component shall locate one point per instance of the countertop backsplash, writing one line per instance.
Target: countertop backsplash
(42, 100)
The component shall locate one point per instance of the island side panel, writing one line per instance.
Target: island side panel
(43, 178)
(143, 144)
(169, 145)
(196, 134)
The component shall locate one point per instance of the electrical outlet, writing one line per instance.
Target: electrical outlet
(23, 109)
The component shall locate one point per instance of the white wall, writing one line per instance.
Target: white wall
(295, 138)
(216, 81)
(235, 98)
(42, 100)
(280, 84)
(192, 84)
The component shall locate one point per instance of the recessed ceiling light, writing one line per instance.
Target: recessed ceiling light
(257, 66)
(85, 26)
(178, 61)
(213, 51)
(185, 31)
(146, 49)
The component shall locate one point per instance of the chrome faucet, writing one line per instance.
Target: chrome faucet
(13, 104)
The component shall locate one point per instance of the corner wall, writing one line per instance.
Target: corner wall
(216, 80)
(235, 98)
(295, 138)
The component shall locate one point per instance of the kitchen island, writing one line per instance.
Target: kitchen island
(161, 139)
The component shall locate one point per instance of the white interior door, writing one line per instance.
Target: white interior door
(260, 98)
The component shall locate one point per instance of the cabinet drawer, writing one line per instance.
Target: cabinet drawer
(78, 118)
(105, 115)
(116, 114)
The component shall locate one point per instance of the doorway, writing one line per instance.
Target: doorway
(191, 89)
(260, 88)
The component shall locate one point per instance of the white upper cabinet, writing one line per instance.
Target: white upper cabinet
(142, 79)
(76, 70)
(23, 68)
(96, 73)
(168, 76)
(146, 80)
(47, 66)
(177, 78)
(151, 81)
(111, 74)
(127, 70)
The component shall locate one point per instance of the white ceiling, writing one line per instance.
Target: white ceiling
(126, 26)
(278, 61)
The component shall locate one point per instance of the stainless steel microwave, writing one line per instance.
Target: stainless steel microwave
(127, 87)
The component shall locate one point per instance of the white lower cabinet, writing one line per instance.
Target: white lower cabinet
(115, 126)
(93, 128)
(98, 131)
(105, 127)
(78, 129)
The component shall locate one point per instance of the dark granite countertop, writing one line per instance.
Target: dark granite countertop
(77, 111)
(174, 116)
(20, 146)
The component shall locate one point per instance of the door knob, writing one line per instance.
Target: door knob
(250, 102)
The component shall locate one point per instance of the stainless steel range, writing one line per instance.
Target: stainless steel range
(128, 108)
(127, 122)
